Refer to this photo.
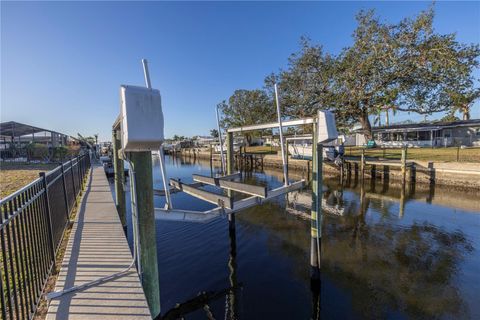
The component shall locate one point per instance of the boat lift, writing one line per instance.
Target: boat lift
(324, 125)
(141, 127)
(139, 130)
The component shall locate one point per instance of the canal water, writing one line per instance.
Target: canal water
(387, 252)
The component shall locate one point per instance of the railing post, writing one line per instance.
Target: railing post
(49, 216)
(79, 174)
(73, 181)
(65, 195)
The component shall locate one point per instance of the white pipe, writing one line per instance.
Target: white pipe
(168, 199)
(221, 142)
(284, 161)
(146, 74)
(136, 231)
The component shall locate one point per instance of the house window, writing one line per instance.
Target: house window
(447, 133)
(423, 135)
(412, 136)
(478, 132)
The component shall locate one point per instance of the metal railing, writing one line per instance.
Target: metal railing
(33, 221)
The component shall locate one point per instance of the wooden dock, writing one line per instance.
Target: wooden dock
(97, 247)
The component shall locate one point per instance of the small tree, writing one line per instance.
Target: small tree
(214, 133)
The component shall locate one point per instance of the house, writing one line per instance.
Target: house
(429, 134)
(201, 141)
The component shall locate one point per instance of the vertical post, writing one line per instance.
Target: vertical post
(402, 201)
(404, 164)
(211, 156)
(142, 166)
(73, 181)
(362, 163)
(221, 142)
(286, 155)
(166, 187)
(79, 175)
(231, 216)
(232, 266)
(315, 230)
(280, 129)
(65, 195)
(229, 153)
(458, 153)
(48, 217)
(119, 180)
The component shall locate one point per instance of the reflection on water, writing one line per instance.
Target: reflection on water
(387, 252)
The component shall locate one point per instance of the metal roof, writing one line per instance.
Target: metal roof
(16, 129)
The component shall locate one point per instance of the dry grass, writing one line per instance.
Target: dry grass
(262, 149)
(13, 176)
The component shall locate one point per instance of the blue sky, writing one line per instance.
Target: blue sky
(62, 62)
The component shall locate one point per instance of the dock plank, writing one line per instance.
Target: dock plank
(97, 247)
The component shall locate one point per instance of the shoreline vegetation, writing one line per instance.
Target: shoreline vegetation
(15, 175)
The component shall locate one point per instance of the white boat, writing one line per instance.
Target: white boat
(236, 147)
(301, 148)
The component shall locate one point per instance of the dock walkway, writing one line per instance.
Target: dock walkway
(97, 247)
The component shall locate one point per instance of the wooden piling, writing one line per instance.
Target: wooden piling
(230, 168)
(230, 153)
(142, 166)
(119, 180)
(211, 156)
(404, 164)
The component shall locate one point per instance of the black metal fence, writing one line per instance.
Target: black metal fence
(33, 221)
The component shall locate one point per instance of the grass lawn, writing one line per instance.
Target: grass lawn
(262, 149)
(422, 154)
(13, 176)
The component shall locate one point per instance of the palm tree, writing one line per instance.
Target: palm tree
(463, 101)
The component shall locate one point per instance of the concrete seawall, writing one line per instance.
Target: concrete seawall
(461, 174)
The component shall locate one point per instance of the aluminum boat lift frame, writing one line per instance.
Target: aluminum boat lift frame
(225, 204)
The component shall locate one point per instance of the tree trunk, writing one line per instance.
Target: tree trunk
(366, 127)
(466, 113)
